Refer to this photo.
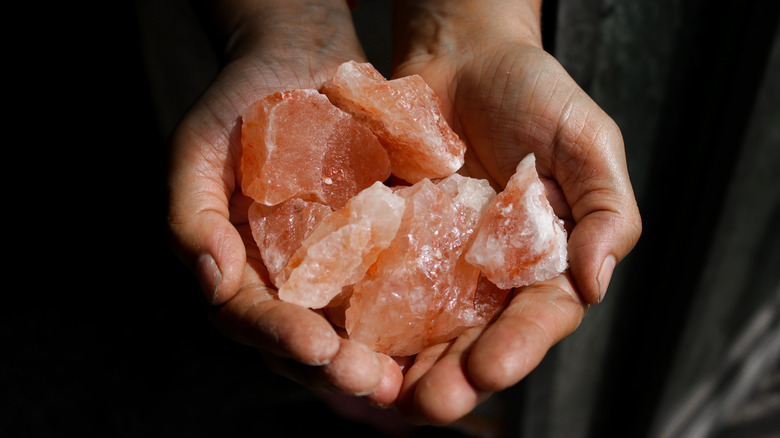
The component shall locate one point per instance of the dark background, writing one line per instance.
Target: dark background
(105, 333)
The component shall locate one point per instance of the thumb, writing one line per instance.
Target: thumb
(598, 242)
(201, 233)
(607, 219)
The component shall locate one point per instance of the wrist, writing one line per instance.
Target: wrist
(442, 27)
(286, 28)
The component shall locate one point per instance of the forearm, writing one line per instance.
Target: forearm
(238, 27)
(435, 27)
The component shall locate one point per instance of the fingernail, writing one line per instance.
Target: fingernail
(209, 276)
(605, 275)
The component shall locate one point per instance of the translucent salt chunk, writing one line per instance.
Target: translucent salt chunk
(341, 248)
(406, 116)
(420, 291)
(279, 230)
(297, 144)
(470, 192)
(520, 239)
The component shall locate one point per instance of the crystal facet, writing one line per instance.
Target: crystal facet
(297, 144)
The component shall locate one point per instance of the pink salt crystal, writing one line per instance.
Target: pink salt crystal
(406, 116)
(469, 192)
(280, 229)
(415, 294)
(341, 248)
(520, 239)
(297, 144)
(489, 301)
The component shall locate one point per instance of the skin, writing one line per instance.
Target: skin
(501, 92)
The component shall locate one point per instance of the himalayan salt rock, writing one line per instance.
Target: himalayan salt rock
(420, 291)
(341, 248)
(469, 192)
(520, 239)
(489, 301)
(297, 144)
(406, 116)
(279, 230)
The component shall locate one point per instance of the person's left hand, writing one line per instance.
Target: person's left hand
(507, 97)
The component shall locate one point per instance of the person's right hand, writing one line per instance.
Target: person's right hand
(270, 46)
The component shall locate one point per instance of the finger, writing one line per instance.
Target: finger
(537, 318)
(441, 392)
(386, 393)
(199, 215)
(421, 364)
(353, 370)
(598, 242)
(578, 146)
(591, 169)
(255, 317)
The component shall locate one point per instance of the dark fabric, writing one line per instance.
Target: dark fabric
(686, 344)
(691, 324)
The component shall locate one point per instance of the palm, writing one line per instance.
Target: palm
(505, 103)
(208, 214)
(208, 138)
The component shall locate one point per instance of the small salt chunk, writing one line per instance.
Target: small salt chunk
(339, 251)
(520, 240)
(279, 230)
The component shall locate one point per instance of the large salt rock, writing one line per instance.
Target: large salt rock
(421, 291)
(406, 116)
(279, 230)
(341, 248)
(520, 239)
(297, 144)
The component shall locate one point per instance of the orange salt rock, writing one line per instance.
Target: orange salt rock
(341, 248)
(406, 116)
(297, 144)
(520, 239)
(420, 291)
(279, 230)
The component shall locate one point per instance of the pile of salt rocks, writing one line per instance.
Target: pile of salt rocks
(358, 211)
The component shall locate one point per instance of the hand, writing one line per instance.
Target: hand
(270, 47)
(507, 97)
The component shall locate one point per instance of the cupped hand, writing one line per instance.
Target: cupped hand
(507, 97)
(207, 214)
